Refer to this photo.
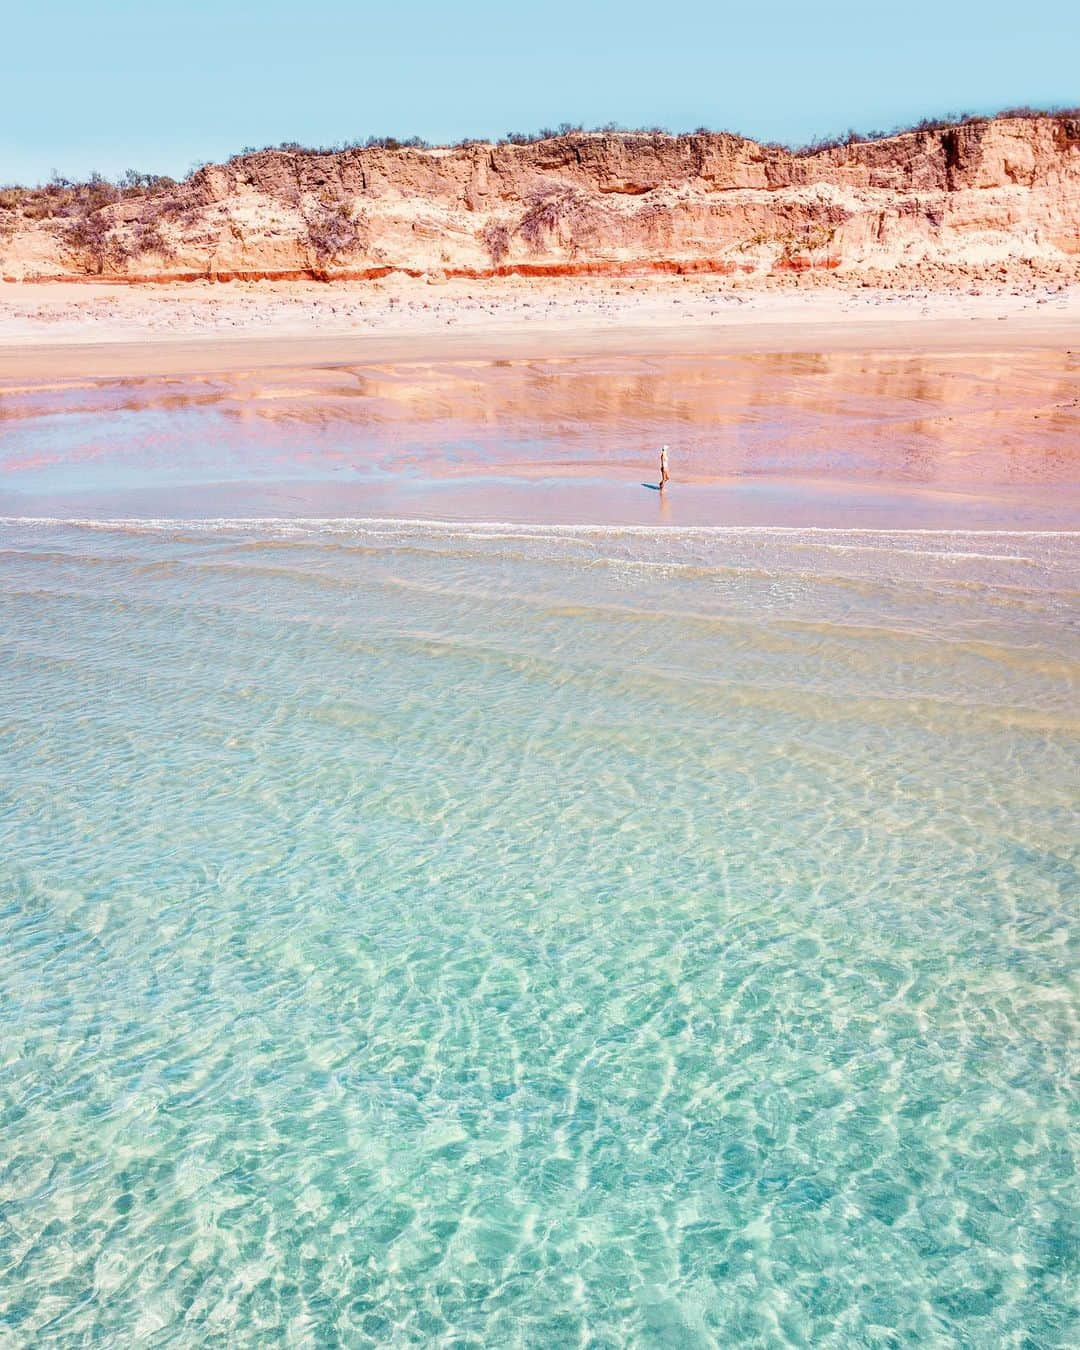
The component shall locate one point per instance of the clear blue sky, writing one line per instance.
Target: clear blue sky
(109, 84)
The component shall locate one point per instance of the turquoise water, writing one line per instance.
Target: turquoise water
(450, 935)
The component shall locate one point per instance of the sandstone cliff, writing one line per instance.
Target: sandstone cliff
(994, 191)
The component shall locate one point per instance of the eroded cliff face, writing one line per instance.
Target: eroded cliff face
(980, 193)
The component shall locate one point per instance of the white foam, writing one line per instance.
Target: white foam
(491, 529)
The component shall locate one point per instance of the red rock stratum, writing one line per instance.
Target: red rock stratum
(981, 193)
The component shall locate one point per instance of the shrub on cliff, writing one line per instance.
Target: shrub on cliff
(927, 124)
(563, 212)
(576, 129)
(62, 198)
(97, 245)
(392, 143)
(147, 238)
(497, 242)
(332, 231)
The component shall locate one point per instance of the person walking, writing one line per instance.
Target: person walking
(664, 475)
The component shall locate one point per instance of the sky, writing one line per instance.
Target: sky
(160, 86)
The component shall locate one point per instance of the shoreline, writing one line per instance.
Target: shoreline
(825, 407)
(618, 502)
(553, 529)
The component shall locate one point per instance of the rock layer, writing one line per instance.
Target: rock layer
(980, 193)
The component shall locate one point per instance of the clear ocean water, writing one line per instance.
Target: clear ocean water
(418, 934)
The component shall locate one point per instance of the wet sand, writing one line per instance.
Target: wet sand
(789, 409)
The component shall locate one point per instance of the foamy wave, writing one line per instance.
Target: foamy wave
(492, 529)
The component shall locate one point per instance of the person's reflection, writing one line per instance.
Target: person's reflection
(665, 508)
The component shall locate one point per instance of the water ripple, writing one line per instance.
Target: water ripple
(470, 935)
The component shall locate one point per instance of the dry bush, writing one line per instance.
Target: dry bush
(358, 143)
(63, 198)
(546, 133)
(497, 242)
(823, 143)
(179, 210)
(332, 231)
(147, 238)
(392, 143)
(544, 213)
(135, 184)
(1028, 113)
(928, 124)
(98, 246)
(576, 129)
(809, 239)
(562, 211)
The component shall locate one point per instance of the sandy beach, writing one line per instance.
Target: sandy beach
(805, 403)
(69, 329)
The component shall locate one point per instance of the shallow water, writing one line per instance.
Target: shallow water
(492, 935)
(933, 439)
